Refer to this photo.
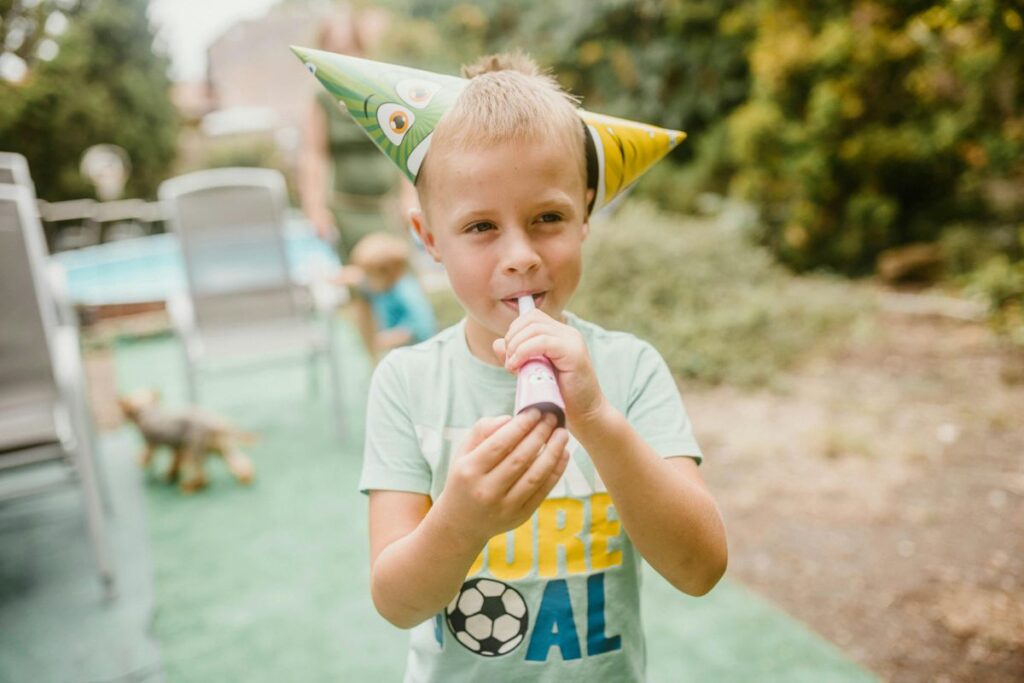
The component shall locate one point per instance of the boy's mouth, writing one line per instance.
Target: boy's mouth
(513, 301)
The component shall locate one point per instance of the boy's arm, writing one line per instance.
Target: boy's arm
(314, 162)
(421, 554)
(663, 503)
(417, 562)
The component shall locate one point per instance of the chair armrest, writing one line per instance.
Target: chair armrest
(57, 282)
(327, 297)
(69, 374)
(183, 320)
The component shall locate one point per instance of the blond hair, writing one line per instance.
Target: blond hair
(508, 99)
(381, 251)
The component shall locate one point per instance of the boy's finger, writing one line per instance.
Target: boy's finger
(542, 345)
(495, 447)
(538, 497)
(481, 430)
(508, 470)
(499, 350)
(525, 329)
(540, 472)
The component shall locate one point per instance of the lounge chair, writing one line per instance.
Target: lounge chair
(243, 303)
(44, 414)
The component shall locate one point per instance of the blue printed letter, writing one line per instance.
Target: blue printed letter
(554, 625)
(597, 641)
(439, 628)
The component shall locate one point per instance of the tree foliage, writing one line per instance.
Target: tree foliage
(106, 85)
(26, 26)
(674, 63)
(871, 125)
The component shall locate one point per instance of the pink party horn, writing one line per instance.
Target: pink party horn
(536, 386)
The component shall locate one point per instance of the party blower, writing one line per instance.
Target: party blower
(536, 386)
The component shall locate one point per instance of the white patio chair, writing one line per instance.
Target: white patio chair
(44, 414)
(14, 171)
(243, 303)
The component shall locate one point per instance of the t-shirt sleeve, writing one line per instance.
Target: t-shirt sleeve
(656, 410)
(392, 459)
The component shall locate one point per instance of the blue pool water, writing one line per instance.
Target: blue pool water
(151, 268)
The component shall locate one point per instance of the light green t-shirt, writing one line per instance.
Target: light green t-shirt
(557, 599)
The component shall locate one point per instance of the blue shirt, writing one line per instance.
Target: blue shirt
(404, 306)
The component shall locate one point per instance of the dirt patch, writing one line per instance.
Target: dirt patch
(877, 493)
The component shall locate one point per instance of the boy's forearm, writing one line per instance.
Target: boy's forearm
(417, 575)
(672, 521)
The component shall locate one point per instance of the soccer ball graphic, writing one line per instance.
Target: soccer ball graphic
(488, 617)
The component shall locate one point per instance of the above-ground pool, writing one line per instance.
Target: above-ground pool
(145, 269)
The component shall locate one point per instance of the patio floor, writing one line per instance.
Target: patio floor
(55, 625)
(268, 582)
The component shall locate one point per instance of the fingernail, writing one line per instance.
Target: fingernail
(550, 419)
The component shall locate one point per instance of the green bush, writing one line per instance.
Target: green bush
(106, 85)
(998, 279)
(717, 308)
(874, 125)
(676, 63)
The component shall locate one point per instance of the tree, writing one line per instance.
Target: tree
(106, 85)
(878, 124)
(675, 63)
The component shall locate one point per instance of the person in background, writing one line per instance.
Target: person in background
(391, 307)
(347, 189)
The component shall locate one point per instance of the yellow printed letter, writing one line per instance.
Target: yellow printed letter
(522, 553)
(551, 536)
(601, 530)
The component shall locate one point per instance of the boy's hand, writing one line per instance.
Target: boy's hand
(538, 334)
(502, 473)
(349, 276)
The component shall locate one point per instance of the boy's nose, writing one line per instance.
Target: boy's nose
(518, 253)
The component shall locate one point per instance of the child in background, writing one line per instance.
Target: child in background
(391, 308)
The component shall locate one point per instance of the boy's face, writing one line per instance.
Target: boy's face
(506, 220)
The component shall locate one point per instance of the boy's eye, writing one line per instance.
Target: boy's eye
(482, 226)
(550, 217)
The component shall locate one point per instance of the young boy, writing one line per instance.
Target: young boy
(511, 546)
(391, 308)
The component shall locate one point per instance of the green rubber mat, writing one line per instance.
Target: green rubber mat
(270, 582)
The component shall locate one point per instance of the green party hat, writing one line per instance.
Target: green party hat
(399, 107)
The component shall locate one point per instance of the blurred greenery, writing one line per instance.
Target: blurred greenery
(255, 150)
(105, 85)
(871, 125)
(718, 308)
(675, 63)
(853, 128)
(27, 25)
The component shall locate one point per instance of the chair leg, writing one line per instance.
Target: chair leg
(331, 356)
(337, 412)
(313, 370)
(85, 461)
(103, 484)
(191, 380)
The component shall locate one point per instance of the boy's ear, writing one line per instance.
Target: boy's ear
(586, 221)
(419, 225)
